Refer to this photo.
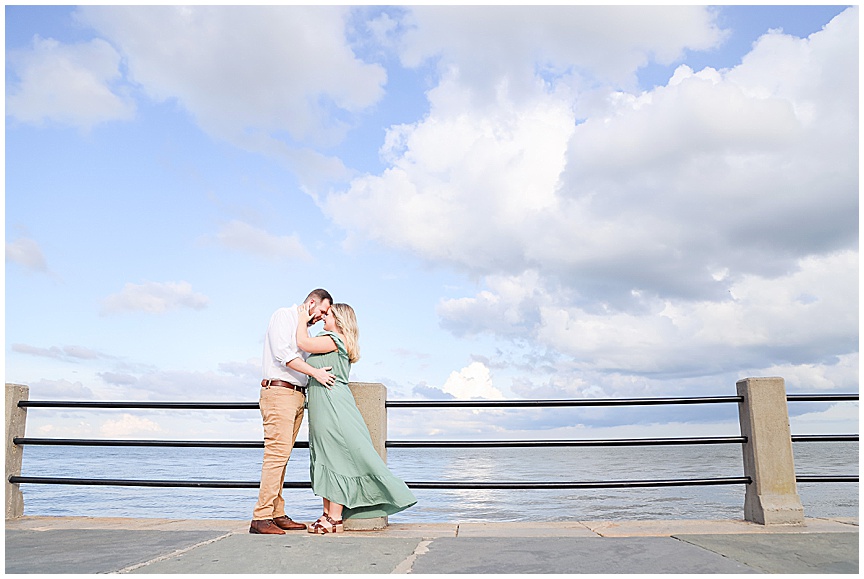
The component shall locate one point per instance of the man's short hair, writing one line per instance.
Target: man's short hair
(320, 295)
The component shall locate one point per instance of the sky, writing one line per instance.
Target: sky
(518, 202)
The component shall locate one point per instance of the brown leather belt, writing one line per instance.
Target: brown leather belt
(284, 384)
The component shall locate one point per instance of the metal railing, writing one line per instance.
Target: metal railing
(396, 404)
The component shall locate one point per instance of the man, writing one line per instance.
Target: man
(283, 395)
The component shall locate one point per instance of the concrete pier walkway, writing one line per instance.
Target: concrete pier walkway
(103, 545)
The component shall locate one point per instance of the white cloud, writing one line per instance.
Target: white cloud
(64, 353)
(473, 381)
(842, 418)
(840, 375)
(244, 237)
(27, 253)
(60, 390)
(488, 176)
(118, 378)
(82, 353)
(267, 78)
(71, 84)
(654, 192)
(154, 297)
(764, 319)
(129, 426)
(234, 381)
(488, 46)
(511, 305)
(704, 226)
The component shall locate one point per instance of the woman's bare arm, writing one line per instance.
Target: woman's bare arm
(316, 345)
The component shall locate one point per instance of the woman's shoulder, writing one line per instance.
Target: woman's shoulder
(340, 344)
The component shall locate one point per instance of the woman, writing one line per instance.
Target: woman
(345, 469)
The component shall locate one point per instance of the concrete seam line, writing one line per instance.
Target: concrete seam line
(174, 553)
(724, 555)
(709, 549)
(584, 524)
(407, 565)
(848, 523)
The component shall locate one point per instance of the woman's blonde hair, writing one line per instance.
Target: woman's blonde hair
(346, 321)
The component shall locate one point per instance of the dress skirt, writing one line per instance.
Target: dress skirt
(344, 466)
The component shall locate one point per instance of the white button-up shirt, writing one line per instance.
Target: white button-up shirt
(280, 347)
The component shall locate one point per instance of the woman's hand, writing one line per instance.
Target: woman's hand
(303, 316)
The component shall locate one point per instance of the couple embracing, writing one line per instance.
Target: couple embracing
(346, 471)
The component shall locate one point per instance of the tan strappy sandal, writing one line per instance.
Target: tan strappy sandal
(325, 525)
(313, 528)
(338, 526)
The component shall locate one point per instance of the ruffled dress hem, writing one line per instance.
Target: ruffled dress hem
(364, 497)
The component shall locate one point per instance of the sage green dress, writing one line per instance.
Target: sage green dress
(343, 464)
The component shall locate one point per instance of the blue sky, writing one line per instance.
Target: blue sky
(519, 202)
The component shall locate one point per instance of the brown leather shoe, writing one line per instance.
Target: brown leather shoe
(286, 523)
(265, 527)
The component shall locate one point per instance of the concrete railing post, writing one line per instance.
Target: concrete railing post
(370, 398)
(772, 497)
(16, 420)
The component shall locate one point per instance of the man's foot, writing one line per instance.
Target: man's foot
(265, 527)
(286, 523)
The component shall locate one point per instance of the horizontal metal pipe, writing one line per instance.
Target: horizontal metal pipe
(138, 405)
(427, 485)
(389, 443)
(824, 438)
(821, 397)
(388, 404)
(558, 443)
(149, 443)
(559, 403)
(432, 443)
(435, 403)
(213, 484)
(418, 485)
(815, 478)
(581, 485)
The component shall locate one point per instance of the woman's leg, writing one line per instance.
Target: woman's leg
(326, 506)
(335, 517)
(335, 511)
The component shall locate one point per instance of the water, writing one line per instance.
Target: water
(439, 464)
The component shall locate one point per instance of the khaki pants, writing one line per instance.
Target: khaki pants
(282, 411)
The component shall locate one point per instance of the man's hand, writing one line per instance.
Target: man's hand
(324, 377)
(320, 374)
